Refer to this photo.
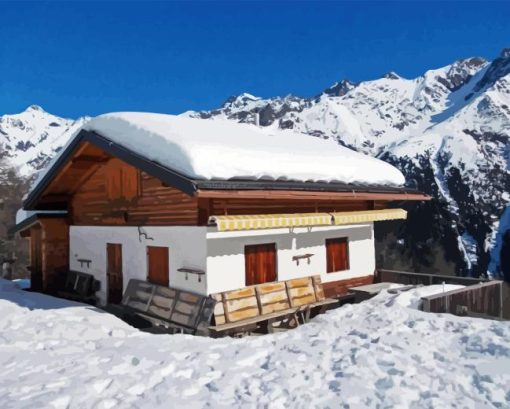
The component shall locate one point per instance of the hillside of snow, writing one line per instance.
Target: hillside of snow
(446, 130)
(380, 353)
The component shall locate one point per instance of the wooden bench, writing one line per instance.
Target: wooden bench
(161, 309)
(259, 307)
(81, 287)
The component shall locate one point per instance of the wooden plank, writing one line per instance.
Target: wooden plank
(252, 320)
(240, 304)
(405, 277)
(241, 308)
(299, 195)
(219, 311)
(301, 291)
(484, 298)
(241, 293)
(341, 287)
(317, 286)
(272, 297)
(298, 282)
(268, 288)
(251, 206)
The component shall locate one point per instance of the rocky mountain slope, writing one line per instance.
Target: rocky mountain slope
(30, 139)
(447, 130)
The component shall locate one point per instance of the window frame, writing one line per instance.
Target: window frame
(347, 266)
(252, 245)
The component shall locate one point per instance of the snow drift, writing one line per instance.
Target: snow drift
(56, 353)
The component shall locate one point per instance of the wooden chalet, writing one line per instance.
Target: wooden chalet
(107, 209)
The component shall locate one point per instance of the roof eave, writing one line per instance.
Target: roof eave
(166, 175)
(33, 219)
(203, 187)
(269, 188)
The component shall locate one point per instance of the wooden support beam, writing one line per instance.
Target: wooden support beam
(57, 178)
(307, 195)
(86, 176)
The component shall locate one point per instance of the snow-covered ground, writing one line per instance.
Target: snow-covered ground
(380, 353)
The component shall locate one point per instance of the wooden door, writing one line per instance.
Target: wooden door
(36, 278)
(114, 272)
(260, 263)
(337, 254)
(157, 265)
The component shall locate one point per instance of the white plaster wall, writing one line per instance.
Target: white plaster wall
(187, 248)
(225, 253)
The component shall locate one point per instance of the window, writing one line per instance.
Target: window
(337, 254)
(157, 265)
(260, 263)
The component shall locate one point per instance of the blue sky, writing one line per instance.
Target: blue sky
(89, 58)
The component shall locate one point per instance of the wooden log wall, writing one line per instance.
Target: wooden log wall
(55, 253)
(274, 206)
(95, 201)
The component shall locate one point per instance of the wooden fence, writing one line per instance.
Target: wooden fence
(404, 277)
(481, 300)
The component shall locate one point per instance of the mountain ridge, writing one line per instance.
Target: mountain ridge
(447, 130)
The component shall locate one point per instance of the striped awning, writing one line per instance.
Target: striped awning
(269, 221)
(366, 216)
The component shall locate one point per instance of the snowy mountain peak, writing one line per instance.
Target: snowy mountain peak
(341, 88)
(34, 108)
(241, 99)
(391, 76)
(29, 139)
(496, 70)
(447, 130)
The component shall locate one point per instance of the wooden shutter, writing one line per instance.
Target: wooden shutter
(337, 254)
(122, 180)
(113, 180)
(260, 263)
(157, 265)
(130, 178)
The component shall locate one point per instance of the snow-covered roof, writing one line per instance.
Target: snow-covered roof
(221, 149)
(23, 215)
